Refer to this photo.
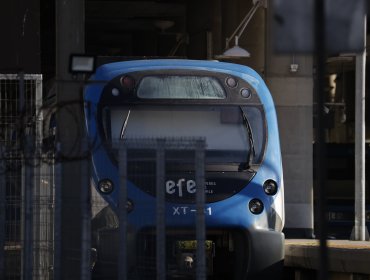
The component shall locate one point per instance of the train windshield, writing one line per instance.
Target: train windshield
(228, 139)
(180, 87)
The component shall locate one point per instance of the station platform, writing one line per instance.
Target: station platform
(346, 257)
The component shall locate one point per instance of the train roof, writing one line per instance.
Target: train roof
(108, 71)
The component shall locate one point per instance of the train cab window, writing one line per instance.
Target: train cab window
(226, 135)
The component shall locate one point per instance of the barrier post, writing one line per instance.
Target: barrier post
(160, 211)
(122, 213)
(2, 212)
(85, 215)
(200, 215)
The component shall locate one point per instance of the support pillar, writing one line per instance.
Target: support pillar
(70, 28)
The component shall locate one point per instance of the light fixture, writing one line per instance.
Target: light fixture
(105, 186)
(270, 187)
(236, 51)
(82, 63)
(256, 206)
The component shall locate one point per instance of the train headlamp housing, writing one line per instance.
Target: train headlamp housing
(270, 187)
(127, 82)
(105, 186)
(129, 206)
(256, 206)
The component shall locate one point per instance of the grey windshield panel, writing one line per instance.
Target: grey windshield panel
(222, 127)
(180, 87)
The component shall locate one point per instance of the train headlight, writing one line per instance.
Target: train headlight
(105, 186)
(256, 206)
(270, 187)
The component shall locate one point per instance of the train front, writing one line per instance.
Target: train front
(173, 102)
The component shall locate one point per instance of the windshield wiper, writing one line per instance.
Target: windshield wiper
(123, 129)
(252, 152)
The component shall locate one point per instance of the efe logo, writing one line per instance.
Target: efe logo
(180, 187)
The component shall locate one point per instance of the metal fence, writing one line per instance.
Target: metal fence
(30, 180)
(144, 162)
(20, 126)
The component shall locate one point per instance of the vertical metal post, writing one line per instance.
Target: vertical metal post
(40, 214)
(200, 215)
(2, 212)
(38, 110)
(360, 230)
(122, 213)
(38, 219)
(28, 184)
(70, 38)
(22, 98)
(320, 45)
(160, 211)
(57, 215)
(86, 216)
(49, 172)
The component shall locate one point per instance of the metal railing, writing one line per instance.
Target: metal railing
(160, 147)
(20, 126)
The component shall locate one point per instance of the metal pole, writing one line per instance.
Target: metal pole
(122, 213)
(57, 214)
(86, 217)
(39, 217)
(28, 184)
(360, 230)
(2, 212)
(22, 98)
(200, 216)
(70, 38)
(160, 212)
(243, 24)
(320, 45)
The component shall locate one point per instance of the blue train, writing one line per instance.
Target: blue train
(227, 105)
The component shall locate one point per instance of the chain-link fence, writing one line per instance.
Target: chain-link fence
(20, 128)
